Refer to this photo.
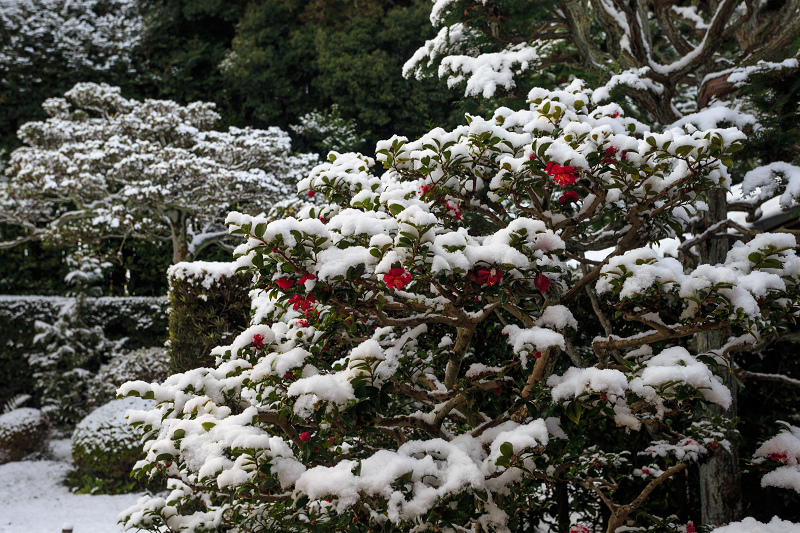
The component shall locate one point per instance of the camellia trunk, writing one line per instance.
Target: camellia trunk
(720, 483)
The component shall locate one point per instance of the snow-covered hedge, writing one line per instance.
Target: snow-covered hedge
(104, 446)
(22, 431)
(209, 302)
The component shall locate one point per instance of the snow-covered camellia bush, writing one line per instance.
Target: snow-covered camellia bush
(105, 166)
(415, 360)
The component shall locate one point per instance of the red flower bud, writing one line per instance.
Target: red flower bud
(542, 283)
(305, 436)
(311, 193)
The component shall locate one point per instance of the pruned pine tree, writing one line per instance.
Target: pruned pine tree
(104, 166)
(490, 336)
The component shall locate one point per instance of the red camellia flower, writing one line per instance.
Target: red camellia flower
(298, 302)
(311, 193)
(579, 529)
(487, 277)
(397, 278)
(423, 189)
(305, 437)
(258, 341)
(564, 175)
(780, 457)
(306, 277)
(537, 355)
(690, 527)
(302, 323)
(542, 282)
(568, 197)
(616, 114)
(646, 471)
(456, 212)
(284, 283)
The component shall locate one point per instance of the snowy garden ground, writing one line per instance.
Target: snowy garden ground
(34, 498)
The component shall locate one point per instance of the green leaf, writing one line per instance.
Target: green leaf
(208, 425)
(396, 209)
(574, 411)
(507, 449)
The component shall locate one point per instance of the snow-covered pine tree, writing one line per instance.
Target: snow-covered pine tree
(104, 166)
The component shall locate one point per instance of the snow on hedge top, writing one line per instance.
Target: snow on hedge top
(18, 420)
(106, 425)
(207, 272)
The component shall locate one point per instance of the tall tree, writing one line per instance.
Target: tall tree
(47, 46)
(290, 57)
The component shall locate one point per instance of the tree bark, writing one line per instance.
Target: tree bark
(720, 482)
(180, 236)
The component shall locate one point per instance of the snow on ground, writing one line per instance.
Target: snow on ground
(33, 498)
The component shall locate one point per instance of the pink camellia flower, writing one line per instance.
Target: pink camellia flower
(542, 283)
(305, 437)
(568, 197)
(564, 175)
(311, 193)
(284, 283)
(397, 278)
(258, 341)
(487, 277)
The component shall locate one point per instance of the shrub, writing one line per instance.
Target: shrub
(22, 432)
(145, 364)
(359, 399)
(208, 304)
(140, 320)
(105, 448)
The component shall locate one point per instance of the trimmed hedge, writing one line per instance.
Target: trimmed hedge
(22, 432)
(105, 448)
(209, 303)
(142, 319)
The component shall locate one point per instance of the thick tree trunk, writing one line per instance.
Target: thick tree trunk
(720, 483)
